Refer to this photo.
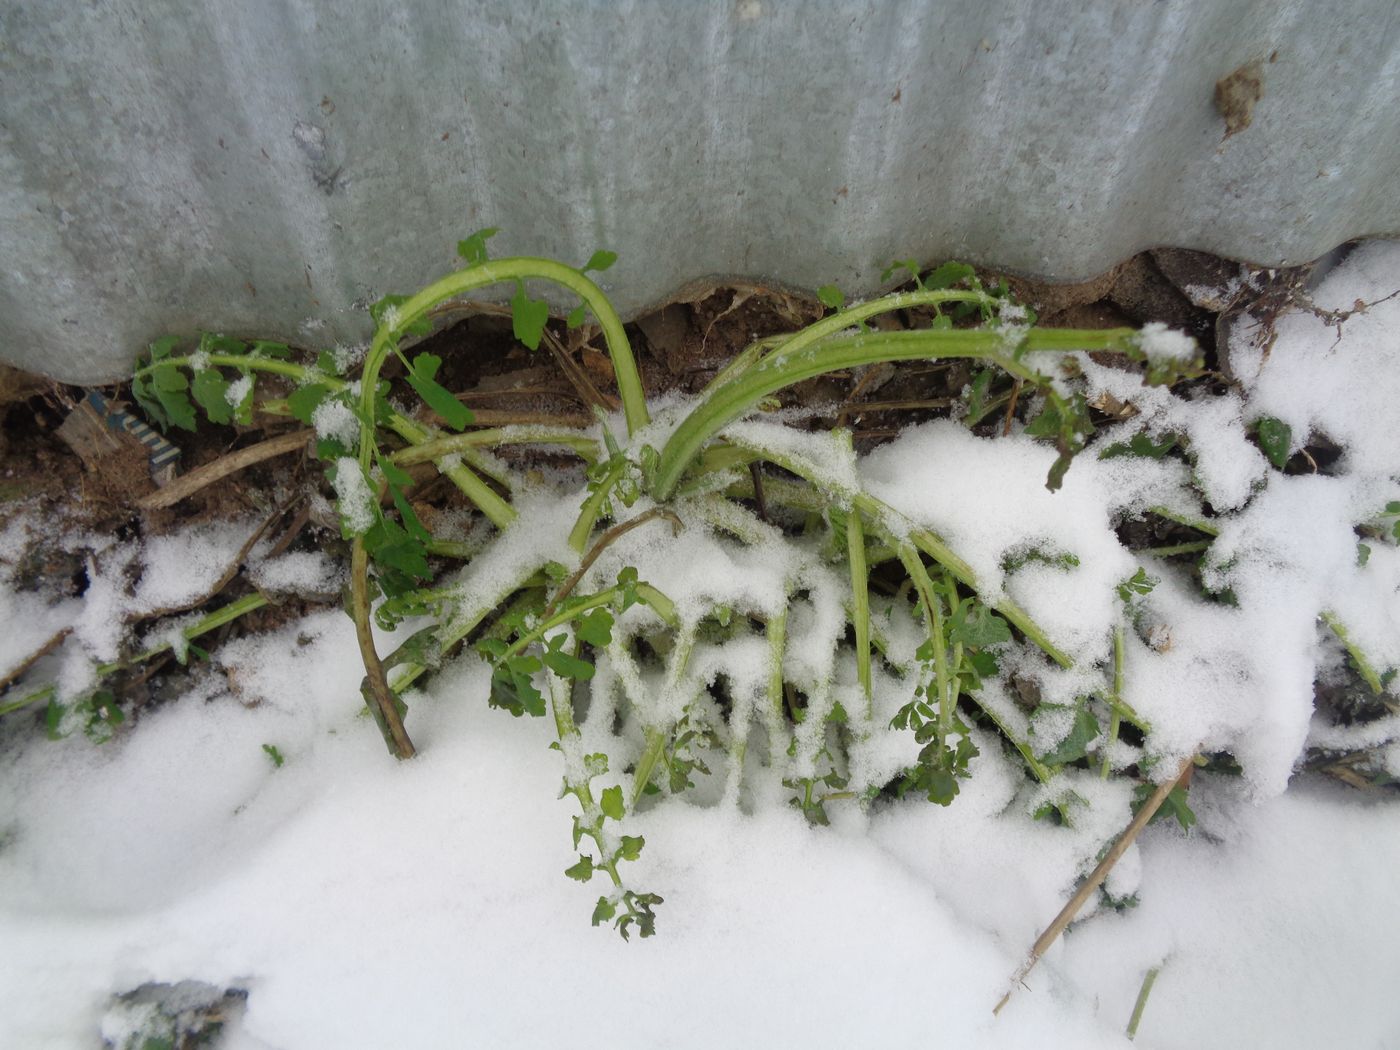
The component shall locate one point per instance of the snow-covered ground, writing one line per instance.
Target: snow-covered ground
(367, 903)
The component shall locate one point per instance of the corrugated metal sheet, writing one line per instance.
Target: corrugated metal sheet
(267, 167)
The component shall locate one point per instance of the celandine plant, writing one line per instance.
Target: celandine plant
(658, 680)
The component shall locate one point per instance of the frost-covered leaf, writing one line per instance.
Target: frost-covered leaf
(210, 389)
(1275, 440)
(1076, 744)
(976, 626)
(304, 401)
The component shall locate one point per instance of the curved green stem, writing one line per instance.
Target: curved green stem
(933, 615)
(629, 383)
(782, 368)
(593, 506)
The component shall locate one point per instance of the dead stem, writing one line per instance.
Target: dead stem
(376, 686)
(607, 538)
(17, 672)
(590, 394)
(1095, 879)
(188, 484)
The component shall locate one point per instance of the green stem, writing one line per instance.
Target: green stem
(498, 510)
(1199, 524)
(1141, 1004)
(462, 623)
(1363, 665)
(213, 621)
(1178, 548)
(301, 373)
(562, 617)
(878, 513)
(442, 446)
(933, 617)
(784, 367)
(593, 506)
(777, 640)
(860, 603)
(1114, 717)
(646, 765)
(629, 382)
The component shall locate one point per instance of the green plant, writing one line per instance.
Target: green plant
(544, 632)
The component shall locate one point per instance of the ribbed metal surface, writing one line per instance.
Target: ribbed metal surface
(268, 167)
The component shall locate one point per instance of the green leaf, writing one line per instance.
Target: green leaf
(1138, 583)
(412, 525)
(582, 871)
(831, 297)
(473, 249)
(213, 343)
(627, 580)
(565, 664)
(976, 626)
(1047, 424)
(893, 268)
(144, 391)
(599, 261)
(304, 401)
(163, 347)
(596, 628)
(603, 911)
(264, 348)
(611, 802)
(941, 787)
(947, 275)
(528, 317)
(169, 385)
(425, 367)
(1275, 439)
(1140, 445)
(595, 765)
(631, 847)
(276, 756)
(512, 689)
(390, 544)
(1076, 744)
(1175, 805)
(978, 402)
(577, 316)
(211, 391)
(1363, 555)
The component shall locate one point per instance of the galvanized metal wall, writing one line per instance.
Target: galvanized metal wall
(267, 167)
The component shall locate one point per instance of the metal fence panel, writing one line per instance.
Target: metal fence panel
(270, 166)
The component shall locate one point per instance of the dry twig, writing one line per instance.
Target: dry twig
(188, 484)
(1095, 879)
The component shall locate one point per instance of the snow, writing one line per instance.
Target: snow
(1161, 343)
(353, 496)
(364, 902)
(334, 419)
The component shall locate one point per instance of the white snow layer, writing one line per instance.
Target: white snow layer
(368, 903)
